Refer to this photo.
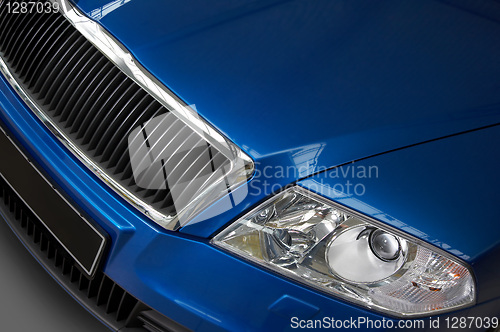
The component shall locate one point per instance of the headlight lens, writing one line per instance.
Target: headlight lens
(318, 242)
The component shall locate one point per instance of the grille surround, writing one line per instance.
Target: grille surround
(133, 83)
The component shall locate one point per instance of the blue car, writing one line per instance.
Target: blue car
(257, 165)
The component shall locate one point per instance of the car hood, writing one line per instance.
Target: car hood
(443, 192)
(319, 83)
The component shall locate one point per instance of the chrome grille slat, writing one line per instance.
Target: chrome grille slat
(59, 89)
(198, 158)
(19, 25)
(217, 159)
(33, 58)
(14, 35)
(91, 104)
(190, 163)
(77, 110)
(5, 31)
(25, 39)
(73, 88)
(43, 73)
(179, 137)
(211, 165)
(104, 141)
(139, 133)
(28, 40)
(29, 46)
(117, 159)
(60, 68)
(101, 109)
(182, 162)
(123, 163)
(166, 163)
(120, 103)
(188, 190)
(119, 134)
(3, 9)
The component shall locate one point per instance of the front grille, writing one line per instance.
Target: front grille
(103, 112)
(101, 295)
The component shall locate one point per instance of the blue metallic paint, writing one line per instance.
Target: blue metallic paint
(365, 77)
(162, 269)
(375, 75)
(376, 90)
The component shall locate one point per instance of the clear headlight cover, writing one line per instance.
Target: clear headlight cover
(317, 242)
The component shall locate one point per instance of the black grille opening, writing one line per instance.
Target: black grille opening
(101, 295)
(98, 108)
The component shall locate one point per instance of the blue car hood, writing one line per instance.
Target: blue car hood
(444, 192)
(344, 79)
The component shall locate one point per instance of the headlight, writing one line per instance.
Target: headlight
(322, 244)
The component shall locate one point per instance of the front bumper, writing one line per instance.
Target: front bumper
(181, 276)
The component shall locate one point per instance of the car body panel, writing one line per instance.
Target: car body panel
(403, 98)
(162, 268)
(365, 77)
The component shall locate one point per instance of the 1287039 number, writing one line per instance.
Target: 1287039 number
(32, 7)
(472, 322)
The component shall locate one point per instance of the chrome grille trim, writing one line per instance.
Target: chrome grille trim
(120, 56)
(126, 64)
